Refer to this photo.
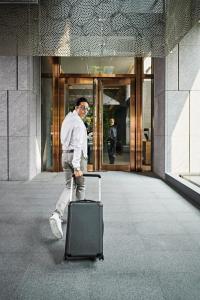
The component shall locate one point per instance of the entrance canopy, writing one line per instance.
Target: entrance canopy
(95, 27)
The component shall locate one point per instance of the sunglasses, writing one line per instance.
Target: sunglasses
(84, 108)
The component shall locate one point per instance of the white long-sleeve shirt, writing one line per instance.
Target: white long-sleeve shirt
(74, 137)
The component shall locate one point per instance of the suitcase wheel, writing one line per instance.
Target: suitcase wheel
(101, 257)
(67, 257)
(93, 258)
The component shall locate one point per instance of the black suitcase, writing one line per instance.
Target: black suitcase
(84, 236)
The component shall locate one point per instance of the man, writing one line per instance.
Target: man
(74, 160)
(112, 141)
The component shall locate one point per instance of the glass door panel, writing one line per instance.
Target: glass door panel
(47, 123)
(115, 98)
(146, 125)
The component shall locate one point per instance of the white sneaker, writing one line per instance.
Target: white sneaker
(56, 227)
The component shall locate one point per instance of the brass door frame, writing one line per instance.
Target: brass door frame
(56, 123)
(138, 114)
(133, 129)
(135, 116)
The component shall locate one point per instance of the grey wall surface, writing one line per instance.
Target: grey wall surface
(20, 129)
(177, 108)
(3, 135)
(183, 105)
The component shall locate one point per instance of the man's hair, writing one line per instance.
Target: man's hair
(81, 99)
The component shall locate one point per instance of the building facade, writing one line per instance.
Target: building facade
(38, 78)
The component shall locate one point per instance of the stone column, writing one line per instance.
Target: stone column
(20, 157)
(159, 117)
(3, 136)
(8, 82)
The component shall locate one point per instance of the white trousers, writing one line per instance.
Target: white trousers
(79, 182)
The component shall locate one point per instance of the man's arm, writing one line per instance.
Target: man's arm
(65, 133)
(78, 136)
(114, 133)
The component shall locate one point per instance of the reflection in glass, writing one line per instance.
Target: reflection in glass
(147, 65)
(98, 65)
(146, 124)
(47, 134)
(116, 124)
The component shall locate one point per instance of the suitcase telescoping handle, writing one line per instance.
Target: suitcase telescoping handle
(86, 175)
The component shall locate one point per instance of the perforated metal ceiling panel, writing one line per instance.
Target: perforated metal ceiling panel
(95, 27)
(18, 1)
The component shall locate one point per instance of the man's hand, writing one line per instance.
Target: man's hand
(78, 173)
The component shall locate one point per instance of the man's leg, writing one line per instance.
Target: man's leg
(109, 153)
(65, 196)
(55, 219)
(80, 181)
(112, 152)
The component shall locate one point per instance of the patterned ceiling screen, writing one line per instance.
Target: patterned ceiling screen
(94, 27)
(195, 11)
(18, 1)
(178, 21)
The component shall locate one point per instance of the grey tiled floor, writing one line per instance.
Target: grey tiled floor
(151, 242)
